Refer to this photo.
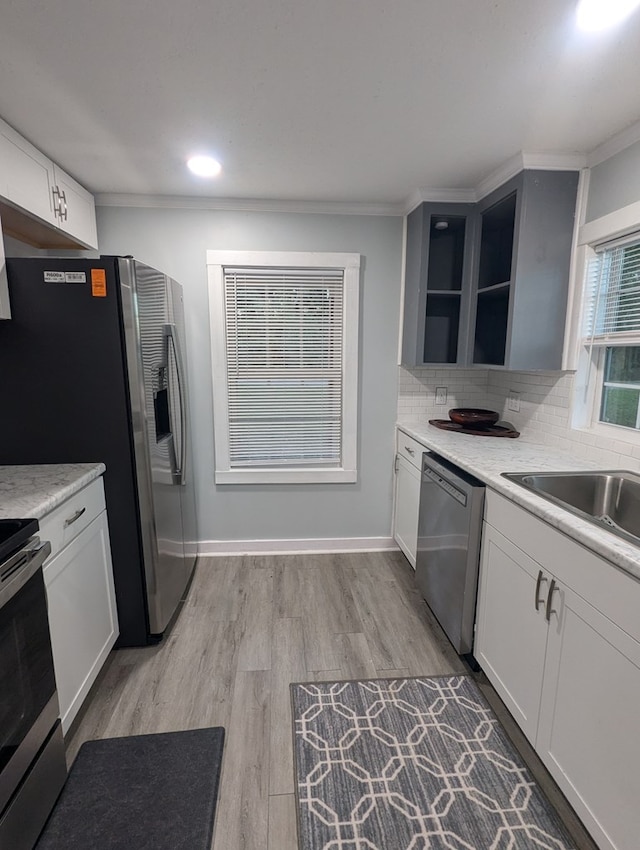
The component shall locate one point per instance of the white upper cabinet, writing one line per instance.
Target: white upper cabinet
(26, 175)
(76, 209)
(32, 184)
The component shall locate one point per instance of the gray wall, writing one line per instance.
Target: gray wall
(176, 242)
(614, 183)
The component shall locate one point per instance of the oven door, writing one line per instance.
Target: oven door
(28, 700)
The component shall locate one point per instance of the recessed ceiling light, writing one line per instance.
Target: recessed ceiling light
(594, 15)
(204, 166)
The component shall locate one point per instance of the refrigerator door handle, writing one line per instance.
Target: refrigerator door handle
(170, 334)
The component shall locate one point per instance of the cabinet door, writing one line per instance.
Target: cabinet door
(26, 175)
(588, 734)
(78, 211)
(407, 500)
(82, 614)
(511, 635)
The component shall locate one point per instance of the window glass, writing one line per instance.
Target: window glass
(621, 387)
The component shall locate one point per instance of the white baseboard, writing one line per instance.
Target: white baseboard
(293, 546)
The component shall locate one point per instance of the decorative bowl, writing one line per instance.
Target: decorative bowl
(473, 416)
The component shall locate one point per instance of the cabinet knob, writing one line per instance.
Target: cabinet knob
(410, 451)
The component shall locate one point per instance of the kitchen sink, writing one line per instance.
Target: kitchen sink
(608, 499)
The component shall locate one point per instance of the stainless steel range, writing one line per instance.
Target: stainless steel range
(32, 762)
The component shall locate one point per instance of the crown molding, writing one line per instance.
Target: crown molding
(554, 161)
(509, 169)
(496, 178)
(464, 195)
(413, 200)
(627, 137)
(108, 199)
(532, 162)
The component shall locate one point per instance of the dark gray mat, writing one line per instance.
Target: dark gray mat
(409, 764)
(146, 792)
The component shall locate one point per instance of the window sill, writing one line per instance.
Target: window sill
(286, 476)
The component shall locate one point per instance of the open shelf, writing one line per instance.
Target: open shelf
(442, 323)
(496, 243)
(492, 315)
(446, 253)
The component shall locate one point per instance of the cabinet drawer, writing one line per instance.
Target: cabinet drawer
(65, 522)
(409, 449)
(610, 590)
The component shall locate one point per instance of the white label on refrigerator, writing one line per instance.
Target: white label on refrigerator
(65, 277)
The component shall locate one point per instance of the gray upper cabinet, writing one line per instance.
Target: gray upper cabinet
(439, 262)
(521, 271)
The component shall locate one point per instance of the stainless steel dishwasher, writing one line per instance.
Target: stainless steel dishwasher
(449, 531)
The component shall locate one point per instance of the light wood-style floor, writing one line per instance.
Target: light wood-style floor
(249, 627)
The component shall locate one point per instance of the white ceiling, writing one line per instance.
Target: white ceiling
(331, 100)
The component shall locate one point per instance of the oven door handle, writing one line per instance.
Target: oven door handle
(19, 568)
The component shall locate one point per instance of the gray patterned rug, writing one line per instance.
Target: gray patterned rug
(412, 764)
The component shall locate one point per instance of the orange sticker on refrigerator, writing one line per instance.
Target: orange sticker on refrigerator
(98, 283)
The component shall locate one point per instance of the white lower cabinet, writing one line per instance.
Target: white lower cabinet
(569, 674)
(406, 497)
(587, 735)
(511, 637)
(407, 501)
(81, 600)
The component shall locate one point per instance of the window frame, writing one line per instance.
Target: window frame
(217, 261)
(591, 355)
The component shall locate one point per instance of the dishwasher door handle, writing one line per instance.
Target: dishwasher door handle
(445, 485)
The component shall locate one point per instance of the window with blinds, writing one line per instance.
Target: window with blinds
(284, 365)
(613, 287)
(612, 330)
(284, 383)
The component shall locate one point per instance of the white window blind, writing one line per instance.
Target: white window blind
(284, 356)
(613, 293)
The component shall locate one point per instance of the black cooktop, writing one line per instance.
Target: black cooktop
(13, 533)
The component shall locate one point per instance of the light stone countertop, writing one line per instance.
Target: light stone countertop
(35, 490)
(487, 458)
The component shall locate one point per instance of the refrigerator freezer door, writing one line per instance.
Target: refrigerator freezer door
(187, 488)
(157, 444)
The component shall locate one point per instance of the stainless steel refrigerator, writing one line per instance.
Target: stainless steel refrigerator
(93, 368)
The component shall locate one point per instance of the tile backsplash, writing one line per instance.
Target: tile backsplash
(544, 415)
(417, 391)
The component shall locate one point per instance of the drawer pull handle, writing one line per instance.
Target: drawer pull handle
(411, 451)
(73, 518)
(550, 610)
(539, 601)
